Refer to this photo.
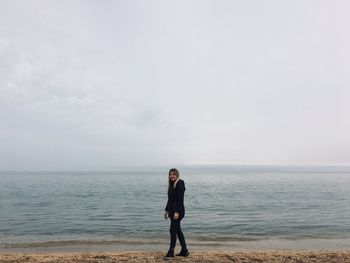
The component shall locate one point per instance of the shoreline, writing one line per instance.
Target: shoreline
(151, 245)
(305, 256)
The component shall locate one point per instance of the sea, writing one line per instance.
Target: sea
(227, 207)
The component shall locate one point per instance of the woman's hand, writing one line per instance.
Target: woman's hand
(176, 215)
(166, 214)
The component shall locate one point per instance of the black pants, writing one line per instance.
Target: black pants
(175, 231)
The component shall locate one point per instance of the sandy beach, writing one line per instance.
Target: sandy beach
(300, 256)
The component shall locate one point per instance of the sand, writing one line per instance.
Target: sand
(195, 256)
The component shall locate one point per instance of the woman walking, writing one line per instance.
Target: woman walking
(175, 210)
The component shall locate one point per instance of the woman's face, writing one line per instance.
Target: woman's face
(172, 176)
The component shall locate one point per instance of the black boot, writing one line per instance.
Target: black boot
(170, 253)
(183, 253)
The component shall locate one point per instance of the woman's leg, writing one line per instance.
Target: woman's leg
(181, 238)
(176, 231)
(174, 228)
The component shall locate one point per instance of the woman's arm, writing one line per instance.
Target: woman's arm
(180, 188)
(167, 205)
(166, 212)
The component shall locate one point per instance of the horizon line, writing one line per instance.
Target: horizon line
(174, 165)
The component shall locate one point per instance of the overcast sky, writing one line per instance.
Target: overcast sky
(102, 84)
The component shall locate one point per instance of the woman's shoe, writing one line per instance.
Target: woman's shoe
(170, 254)
(183, 253)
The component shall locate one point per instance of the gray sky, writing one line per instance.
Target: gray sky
(99, 84)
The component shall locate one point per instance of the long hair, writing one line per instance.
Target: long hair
(175, 171)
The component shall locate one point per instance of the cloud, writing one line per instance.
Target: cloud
(87, 84)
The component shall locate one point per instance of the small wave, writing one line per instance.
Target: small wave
(225, 239)
(62, 243)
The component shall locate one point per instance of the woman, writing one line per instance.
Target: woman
(175, 210)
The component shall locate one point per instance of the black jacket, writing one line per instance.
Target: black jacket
(176, 199)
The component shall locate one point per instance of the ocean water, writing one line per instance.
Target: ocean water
(227, 207)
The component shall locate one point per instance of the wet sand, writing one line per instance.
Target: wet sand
(244, 256)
